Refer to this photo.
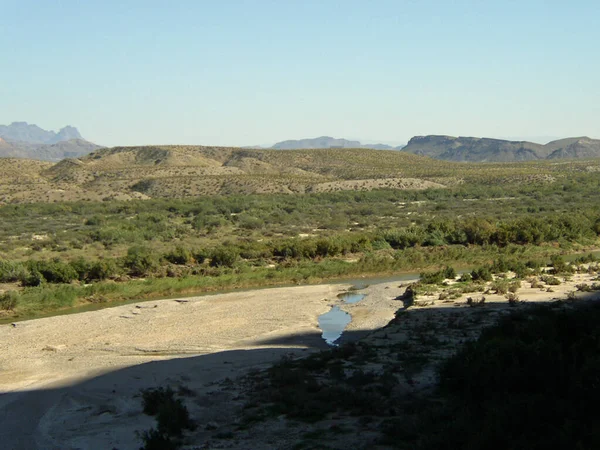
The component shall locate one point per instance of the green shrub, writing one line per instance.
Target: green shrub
(481, 274)
(537, 370)
(82, 267)
(200, 255)
(550, 280)
(140, 261)
(179, 255)
(223, 257)
(173, 417)
(103, 270)
(11, 271)
(466, 278)
(95, 220)
(32, 279)
(437, 276)
(559, 265)
(514, 286)
(152, 399)
(9, 300)
(153, 439)
(208, 223)
(248, 222)
(171, 414)
(500, 286)
(54, 271)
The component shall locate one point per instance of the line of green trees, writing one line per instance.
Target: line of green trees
(142, 261)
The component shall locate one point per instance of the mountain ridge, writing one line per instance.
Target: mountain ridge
(463, 148)
(474, 149)
(327, 142)
(24, 140)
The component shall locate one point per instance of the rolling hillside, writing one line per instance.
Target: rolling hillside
(124, 173)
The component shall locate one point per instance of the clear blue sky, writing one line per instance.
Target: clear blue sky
(234, 72)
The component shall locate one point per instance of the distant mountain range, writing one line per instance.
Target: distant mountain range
(326, 142)
(472, 149)
(466, 149)
(23, 140)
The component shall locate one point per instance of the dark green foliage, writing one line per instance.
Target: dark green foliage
(559, 265)
(586, 259)
(530, 382)
(481, 274)
(143, 186)
(153, 399)
(154, 439)
(8, 300)
(248, 222)
(409, 237)
(437, 276)
(53, 271)
(11, 271)
(224, 257)
(179, 255)
(140, 260)
(466, 278)
(103, 270)
(550, 280)
(95, 220)
(384, 230)
(505, 264)
(172, 418)
(200, 255)
(82, 267)
(32, 279)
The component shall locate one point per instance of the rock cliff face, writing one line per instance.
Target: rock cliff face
(583, 147)
(472, 149)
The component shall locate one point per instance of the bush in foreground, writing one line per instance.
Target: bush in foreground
(529, 382)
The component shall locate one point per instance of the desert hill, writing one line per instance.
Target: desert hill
(124, 173)
(23, 140)
(474, 149)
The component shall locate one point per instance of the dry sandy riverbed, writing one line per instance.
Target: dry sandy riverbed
(69, 381)
(72, 382)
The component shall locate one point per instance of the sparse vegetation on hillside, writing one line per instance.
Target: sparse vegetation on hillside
(126, 173)
(48, 251)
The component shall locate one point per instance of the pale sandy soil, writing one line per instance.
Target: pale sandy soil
(62, 348)
(44, 363)
(73, 382)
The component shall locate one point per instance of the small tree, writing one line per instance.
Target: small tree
(223, 257)
(140, 260)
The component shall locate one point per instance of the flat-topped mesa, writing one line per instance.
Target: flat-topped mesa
(430, 138)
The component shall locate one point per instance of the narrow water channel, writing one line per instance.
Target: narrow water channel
(334, 322)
